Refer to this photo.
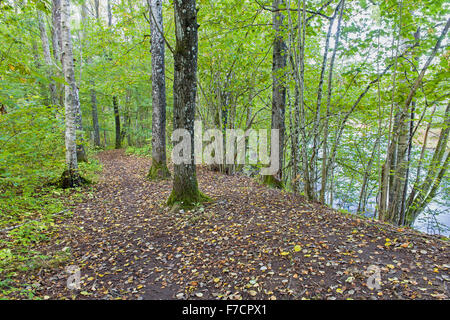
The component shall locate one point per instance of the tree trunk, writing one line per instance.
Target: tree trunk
(365, 183)
(109, 13)
(158, 169)
(93, 94)
(426, 191)
(56, 30)
(325, 169)
(56, 45)
(71, 177)
(399, 136)
(402, 217)
(118, 144)
(47, 58)
(117, 122)
(315, 131)
(127, 118)
(185, 187)
(37, 62)
(278, 90)
(97, 9)
(307, 184)
(294, 115)
(421, 160)
(95, 124)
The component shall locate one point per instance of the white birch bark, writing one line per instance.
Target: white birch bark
(71, 101)
(56, 30)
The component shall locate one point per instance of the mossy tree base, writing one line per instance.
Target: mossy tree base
(187, 200)
(72, 179)
(158, 171)
(272, 182)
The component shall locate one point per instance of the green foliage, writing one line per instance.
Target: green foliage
(28, 219)
(90, 170)
(31, 146)
(235, 88)
(145, 151)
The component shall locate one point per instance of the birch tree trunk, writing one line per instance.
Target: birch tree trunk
(66, 49)
(185, 187)
(158, 169)
(71, 177)
(56, 30)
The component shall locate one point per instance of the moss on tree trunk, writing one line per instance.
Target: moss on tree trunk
(187, 200)
(158, 171)
(185, 193)
(71, 179)
(272, 182)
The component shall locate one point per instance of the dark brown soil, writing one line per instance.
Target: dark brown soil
(252, 242)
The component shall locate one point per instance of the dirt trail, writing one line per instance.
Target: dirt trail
(252, 242)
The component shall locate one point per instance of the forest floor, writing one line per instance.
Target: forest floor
(251, 242)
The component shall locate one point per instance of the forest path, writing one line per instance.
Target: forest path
(252, 242)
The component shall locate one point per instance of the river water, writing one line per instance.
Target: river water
(435, 219)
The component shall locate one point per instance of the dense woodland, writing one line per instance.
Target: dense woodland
(358, 89)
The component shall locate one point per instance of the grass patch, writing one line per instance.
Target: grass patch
(145, 151)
